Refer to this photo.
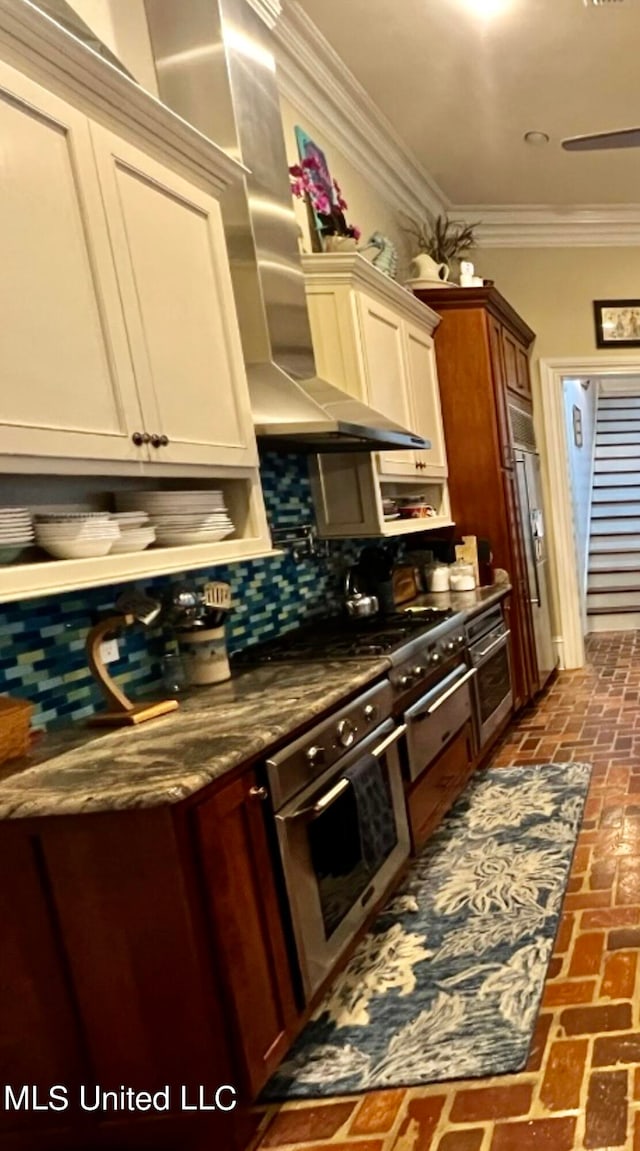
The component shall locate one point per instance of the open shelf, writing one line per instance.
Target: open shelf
(48, 576)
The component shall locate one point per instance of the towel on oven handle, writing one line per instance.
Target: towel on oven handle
(378, 835)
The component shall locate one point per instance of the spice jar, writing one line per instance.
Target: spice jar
(461, 576)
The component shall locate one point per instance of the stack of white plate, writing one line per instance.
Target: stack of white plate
(136, 532)
(76, 535)
(191, 517)
(16, 533)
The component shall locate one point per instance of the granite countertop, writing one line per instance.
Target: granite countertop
(469, 602)
(165, 760)
(216, 729)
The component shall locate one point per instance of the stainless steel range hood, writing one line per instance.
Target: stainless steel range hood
(216, 69)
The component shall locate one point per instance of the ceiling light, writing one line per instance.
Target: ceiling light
(488, 7)
(536, 139)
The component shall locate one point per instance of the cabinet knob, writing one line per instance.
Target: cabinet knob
(258, 794)
(140, 438)
(164, 440)
(159, 441)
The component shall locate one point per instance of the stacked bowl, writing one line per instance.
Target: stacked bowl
(76, 535)
(136, 532)
(16, 533)
(181, 517)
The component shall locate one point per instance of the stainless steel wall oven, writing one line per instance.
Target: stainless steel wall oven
(341, 824)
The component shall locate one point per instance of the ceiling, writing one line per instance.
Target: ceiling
(462, 88)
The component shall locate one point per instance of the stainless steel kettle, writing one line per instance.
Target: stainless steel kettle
(358, 604)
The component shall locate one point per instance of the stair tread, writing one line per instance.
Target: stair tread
(619, 590)
(623, 609)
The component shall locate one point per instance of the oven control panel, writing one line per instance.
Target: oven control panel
(308, 757)
(430, 659)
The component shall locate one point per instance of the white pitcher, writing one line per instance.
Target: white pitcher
(424, 267)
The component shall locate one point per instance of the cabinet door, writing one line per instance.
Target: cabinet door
(171, 259)
(499, 373)
(243, 900)
(385, 371)
(425, 400)
(439, 786)
(516, 364)
(67, 383)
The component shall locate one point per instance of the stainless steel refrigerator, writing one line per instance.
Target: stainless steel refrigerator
(537, 564)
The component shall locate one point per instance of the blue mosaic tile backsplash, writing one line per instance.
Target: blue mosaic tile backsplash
(42, 654)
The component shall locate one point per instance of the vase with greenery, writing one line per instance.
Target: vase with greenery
(440, 239)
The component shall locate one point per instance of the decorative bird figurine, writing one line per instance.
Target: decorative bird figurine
(386, 258)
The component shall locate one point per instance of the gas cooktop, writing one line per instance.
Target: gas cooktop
(338, 637)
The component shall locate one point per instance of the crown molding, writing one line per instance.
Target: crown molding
(537, 226)
(268, 10)
(314, 78)
(316, 81)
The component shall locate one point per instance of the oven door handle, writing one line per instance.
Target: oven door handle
(492, 646)
(341, 786)
(445, 695)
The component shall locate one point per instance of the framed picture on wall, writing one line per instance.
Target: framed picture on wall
(617, 323)
(578, 437)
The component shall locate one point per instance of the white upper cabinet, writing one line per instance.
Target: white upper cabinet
(120, 339)
(67, 381)
(375, 339)
(425, 396)
(382, 346)
(169, 248)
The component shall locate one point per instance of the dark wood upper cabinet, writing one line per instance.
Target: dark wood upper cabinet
(482, 349)
(247, 922)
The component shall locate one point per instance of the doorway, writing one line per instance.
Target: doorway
(567, 477)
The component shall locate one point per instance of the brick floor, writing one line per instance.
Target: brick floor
(581, 1087)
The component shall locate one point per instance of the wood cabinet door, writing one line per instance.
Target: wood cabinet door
(425, 400)
(67, 383)
(498, 369)
(171, 258)
(516, 364)
(246, 918)
(385, 371)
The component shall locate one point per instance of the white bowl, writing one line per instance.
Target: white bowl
(177, 539)
(79, 549)
(125, 544)
(81, 532)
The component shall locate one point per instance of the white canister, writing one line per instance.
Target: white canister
(437, 577)
(462, 576)
(205, 655)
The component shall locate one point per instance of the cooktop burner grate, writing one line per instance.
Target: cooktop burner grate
(337, 637)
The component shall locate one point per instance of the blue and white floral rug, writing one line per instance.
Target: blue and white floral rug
(448, 981)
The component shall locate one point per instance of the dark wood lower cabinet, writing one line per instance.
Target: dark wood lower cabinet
(147, 950)
(247, 923)
(431, 796)
(108, 978)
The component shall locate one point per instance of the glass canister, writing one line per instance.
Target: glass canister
(437, 577)
(462, 576)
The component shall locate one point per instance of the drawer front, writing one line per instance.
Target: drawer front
(431, 797)
(428, 732)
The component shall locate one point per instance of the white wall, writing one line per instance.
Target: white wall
(581, 470)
